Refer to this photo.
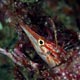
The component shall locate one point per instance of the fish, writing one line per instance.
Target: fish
(50, 53)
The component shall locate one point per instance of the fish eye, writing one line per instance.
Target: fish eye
(41, 42)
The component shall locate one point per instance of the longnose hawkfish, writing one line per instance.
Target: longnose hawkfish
(53, 55)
